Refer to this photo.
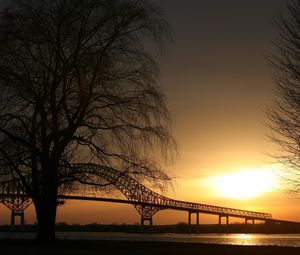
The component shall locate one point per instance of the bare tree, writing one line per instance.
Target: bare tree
(78, 85)
(284, 116)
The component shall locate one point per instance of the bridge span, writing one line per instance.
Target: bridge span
(183, 206)
(145, 201)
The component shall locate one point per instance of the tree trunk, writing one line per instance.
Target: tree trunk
(46, 202)
(46, 214)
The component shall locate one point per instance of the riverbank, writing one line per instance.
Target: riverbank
(176, 228)
(78, 247)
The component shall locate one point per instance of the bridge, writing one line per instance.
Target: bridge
(146, 202)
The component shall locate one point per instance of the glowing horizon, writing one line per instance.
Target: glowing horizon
(245, 183)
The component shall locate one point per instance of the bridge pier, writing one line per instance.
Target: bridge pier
(143, 220)
(15, 214)
(246, 220)
(190, 217)
(220, 219)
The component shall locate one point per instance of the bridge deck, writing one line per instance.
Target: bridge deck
(185, 206)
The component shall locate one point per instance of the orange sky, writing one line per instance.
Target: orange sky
(218, 84)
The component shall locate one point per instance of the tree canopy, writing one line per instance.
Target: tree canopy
(284, 115)
(78, 85)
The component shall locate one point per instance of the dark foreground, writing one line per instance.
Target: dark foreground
(12, 247)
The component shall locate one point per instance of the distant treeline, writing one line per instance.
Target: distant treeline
(177, 228)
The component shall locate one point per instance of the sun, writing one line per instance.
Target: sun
(245, 183)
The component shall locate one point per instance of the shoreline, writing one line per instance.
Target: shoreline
(157, 229)
(17, 246)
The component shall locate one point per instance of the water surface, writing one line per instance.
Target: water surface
(236, 239)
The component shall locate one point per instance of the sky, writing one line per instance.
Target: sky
(218, 81)
(218, 84)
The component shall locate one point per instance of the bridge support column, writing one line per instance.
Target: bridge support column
(15, 214)
(190, 217)
(246, 220)
(143, 220)
(220, 219)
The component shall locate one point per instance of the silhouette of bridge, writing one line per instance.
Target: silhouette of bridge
(145, 201)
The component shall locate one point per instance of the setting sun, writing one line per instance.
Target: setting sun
(244, 184)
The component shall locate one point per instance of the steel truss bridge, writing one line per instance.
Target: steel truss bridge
(145, 201)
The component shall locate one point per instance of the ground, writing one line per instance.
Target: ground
(24, 247)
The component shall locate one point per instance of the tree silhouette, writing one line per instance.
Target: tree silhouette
(78, 85)
(284, 115)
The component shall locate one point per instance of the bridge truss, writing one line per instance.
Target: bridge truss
(13, 197)
(145, 201)
(148, 202)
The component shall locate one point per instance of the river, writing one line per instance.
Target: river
(236, 239)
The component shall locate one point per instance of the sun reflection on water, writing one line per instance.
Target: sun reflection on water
(244, 236)
(244, 239)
